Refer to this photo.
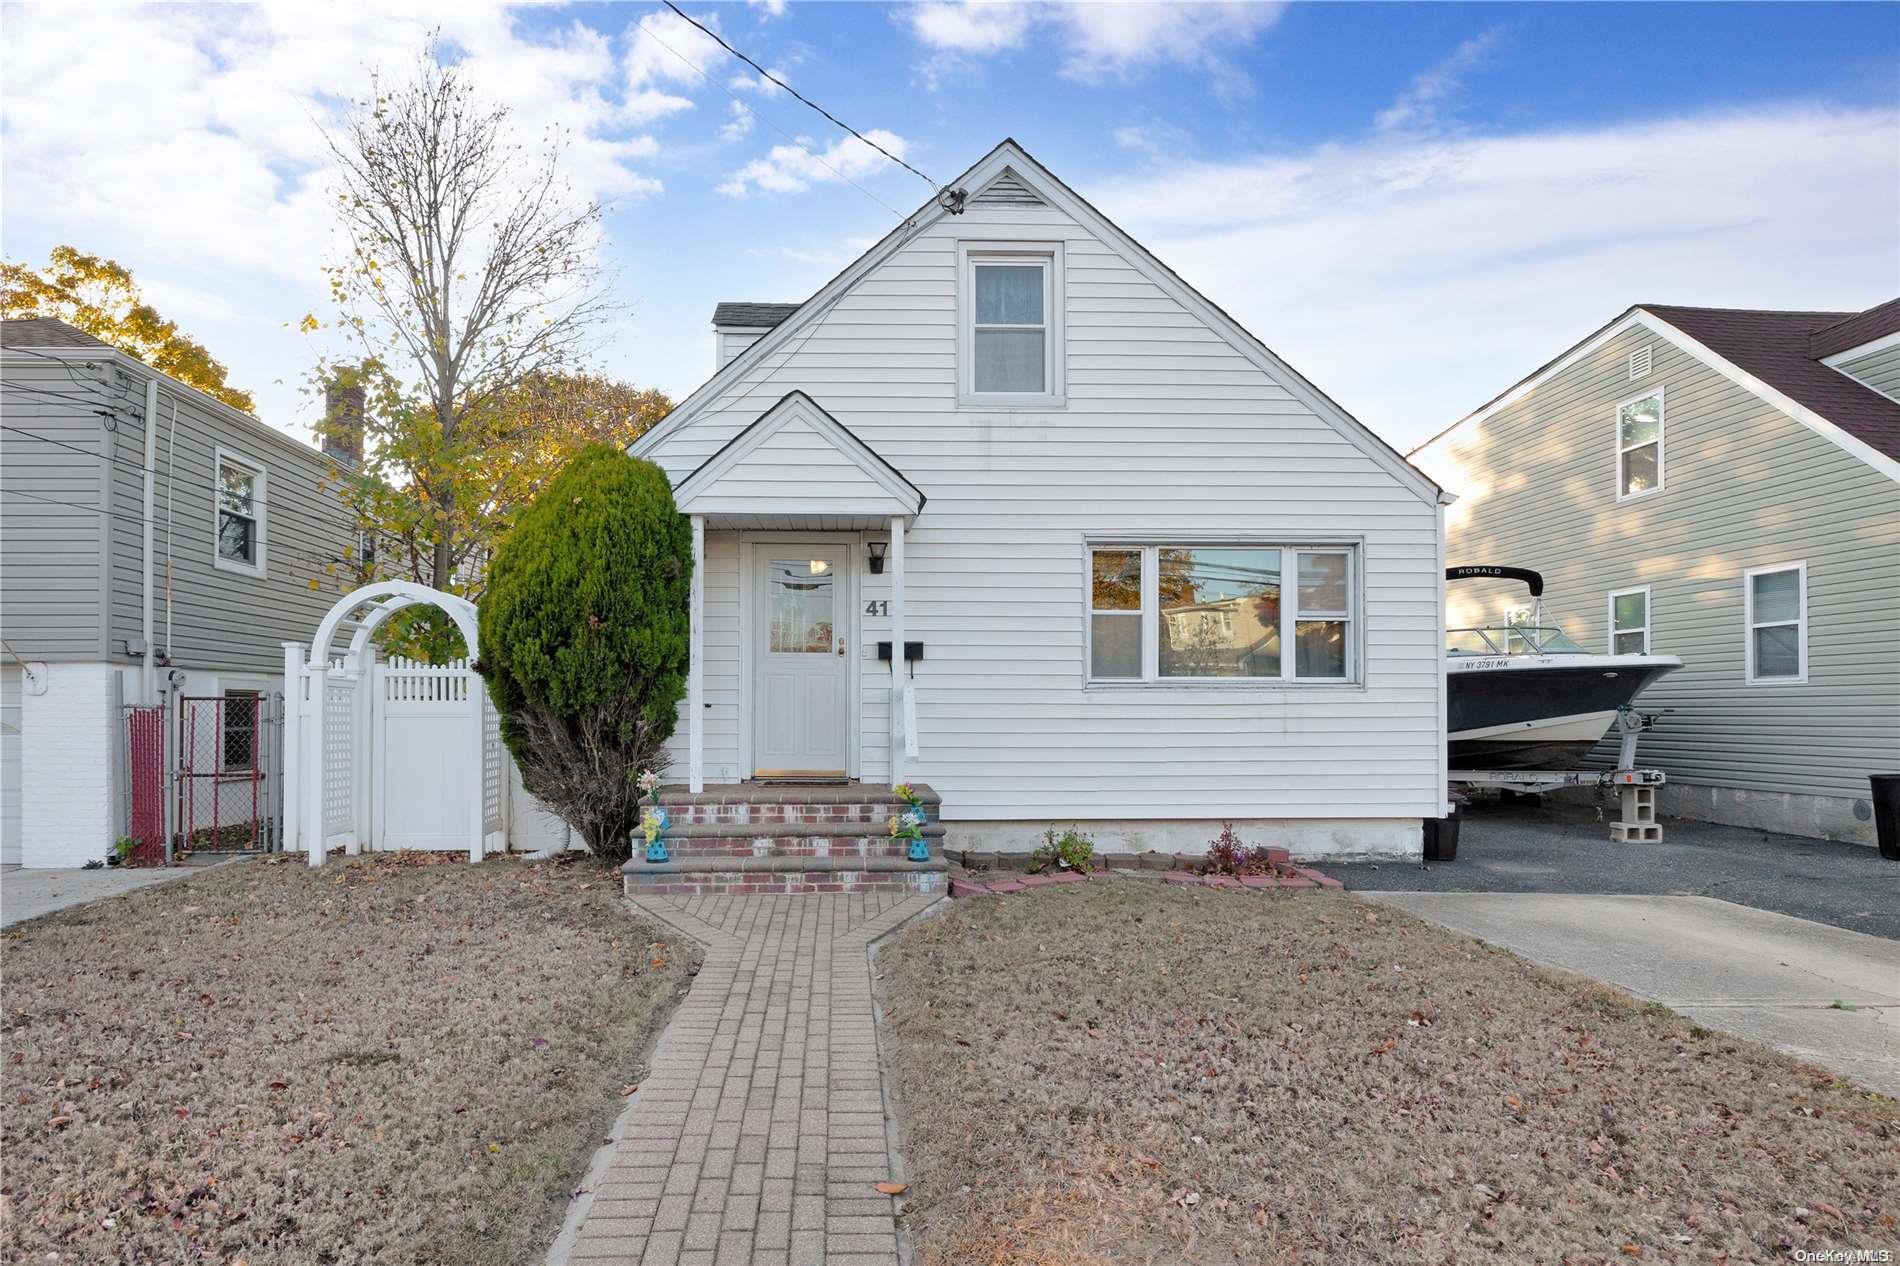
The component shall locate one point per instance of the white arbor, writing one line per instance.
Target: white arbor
(390, 755)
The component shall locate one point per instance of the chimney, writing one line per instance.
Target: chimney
(737, 326)
(343, 419)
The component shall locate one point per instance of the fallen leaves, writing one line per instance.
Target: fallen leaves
(892, 1188)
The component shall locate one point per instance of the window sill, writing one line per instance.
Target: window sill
(257, 571)
(1263, 686)
(1001, 402)
(1802, 680)
(1623, 497)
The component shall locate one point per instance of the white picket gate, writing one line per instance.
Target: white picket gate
(390, 755)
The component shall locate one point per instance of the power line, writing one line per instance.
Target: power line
(74, 505)
(50, 440)
(817, 158)
(935, 188)
(49, 393)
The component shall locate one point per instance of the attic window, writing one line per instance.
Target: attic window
(1010, 341)
(1639, 363)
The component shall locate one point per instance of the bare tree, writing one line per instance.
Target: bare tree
(469, 258)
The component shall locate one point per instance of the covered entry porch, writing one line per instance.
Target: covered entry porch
(797, 672)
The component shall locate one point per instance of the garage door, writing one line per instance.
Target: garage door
(10, 765)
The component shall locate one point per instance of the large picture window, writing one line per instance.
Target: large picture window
(238, 515)
(1221, 613)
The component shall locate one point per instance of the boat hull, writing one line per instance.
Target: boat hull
(1540, 711)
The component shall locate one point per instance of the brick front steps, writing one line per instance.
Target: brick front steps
(749, 838)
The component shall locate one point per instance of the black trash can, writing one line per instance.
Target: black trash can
(1886, 797)
(1441, 836)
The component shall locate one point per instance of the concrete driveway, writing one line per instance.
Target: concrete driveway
(27, 893)
(1819, 993)
(1565, 849)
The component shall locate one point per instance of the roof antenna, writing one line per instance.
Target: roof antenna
(952, 200)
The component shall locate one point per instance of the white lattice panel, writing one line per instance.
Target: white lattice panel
(339, 774)
(493, 768)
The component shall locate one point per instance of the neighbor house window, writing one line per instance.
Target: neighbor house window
(239, 728)
(1011, 341)
(239, 525)
(1639, 445)
(1777, 601)
(1221, 613)
(1629, 622)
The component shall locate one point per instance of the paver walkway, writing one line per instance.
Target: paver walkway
(760, 1135)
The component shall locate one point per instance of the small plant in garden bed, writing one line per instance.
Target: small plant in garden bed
(1227, 854)
(1070, 850)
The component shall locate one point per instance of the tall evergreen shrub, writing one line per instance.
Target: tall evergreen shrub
(584, 632)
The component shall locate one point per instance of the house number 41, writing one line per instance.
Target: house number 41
(877, 606)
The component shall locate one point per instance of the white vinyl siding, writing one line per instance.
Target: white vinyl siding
(1777, 606)
(1639, 446)
(1167, 432)
(1629, 621)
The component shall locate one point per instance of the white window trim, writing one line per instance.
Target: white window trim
(1649, 616)
(1290, 615)
(220, 458)
(1662, 428)
(1750, 624)
(1050, 255)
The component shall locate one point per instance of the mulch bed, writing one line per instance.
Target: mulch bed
(391, 1059)
(1126, 1072)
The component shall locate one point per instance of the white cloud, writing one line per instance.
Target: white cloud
(739, 121)
(664, 48)
(1423, 103)
(1099, 40)
(1413, 277)
(791, 168)
(772, 8)
(750, 82)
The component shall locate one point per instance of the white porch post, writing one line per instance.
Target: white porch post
(293, 727)
(896, 563)
(478, 825)
(696, 667)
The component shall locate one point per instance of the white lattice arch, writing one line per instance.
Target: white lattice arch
(337, 788)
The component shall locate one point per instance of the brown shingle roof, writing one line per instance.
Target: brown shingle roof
(753, 315)
(1861, 327)
(45, 332)
(1776, 348)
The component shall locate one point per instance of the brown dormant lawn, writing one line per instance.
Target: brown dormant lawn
(393, 1059)
(1132, 1072)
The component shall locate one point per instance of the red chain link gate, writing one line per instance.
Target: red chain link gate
(224, 784)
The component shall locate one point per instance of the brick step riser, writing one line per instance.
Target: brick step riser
(775, 814)
(862, 846)
(750, 883)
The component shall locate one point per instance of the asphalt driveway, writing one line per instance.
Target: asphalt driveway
(1564, 849)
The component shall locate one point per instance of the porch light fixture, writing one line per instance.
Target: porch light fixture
(877, 549)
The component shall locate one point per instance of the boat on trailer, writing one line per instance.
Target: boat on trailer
(1524, 696)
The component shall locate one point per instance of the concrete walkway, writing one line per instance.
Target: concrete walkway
(27, 893)
(1759, 975)
(761, 1134)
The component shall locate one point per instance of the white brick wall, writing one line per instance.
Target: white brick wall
(67, 750)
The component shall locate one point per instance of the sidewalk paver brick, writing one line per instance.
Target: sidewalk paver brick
(760, 1134)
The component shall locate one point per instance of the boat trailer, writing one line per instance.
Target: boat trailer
(1635, 787)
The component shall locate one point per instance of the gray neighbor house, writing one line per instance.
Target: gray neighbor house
(152, 540)
(1724, 486)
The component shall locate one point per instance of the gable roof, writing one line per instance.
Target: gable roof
(753, 315)
(1855, 330)
(1766, 352)
(838, 473)
(1036, 179)
(45, 332)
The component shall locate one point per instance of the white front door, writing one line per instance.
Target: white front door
(800, 704)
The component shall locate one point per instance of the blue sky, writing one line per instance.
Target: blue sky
(1414, 204)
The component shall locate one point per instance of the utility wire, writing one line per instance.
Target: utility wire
(49, 392)
(817, 158)
(935, 188)
(74, 505)
(47, 439)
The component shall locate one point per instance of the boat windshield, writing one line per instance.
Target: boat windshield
(1511, 639)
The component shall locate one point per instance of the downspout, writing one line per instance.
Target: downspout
(148, 676)
(171, 467)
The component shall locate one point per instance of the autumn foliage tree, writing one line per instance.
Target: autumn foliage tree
(99, 296)
(465, 296)
(584, 636)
